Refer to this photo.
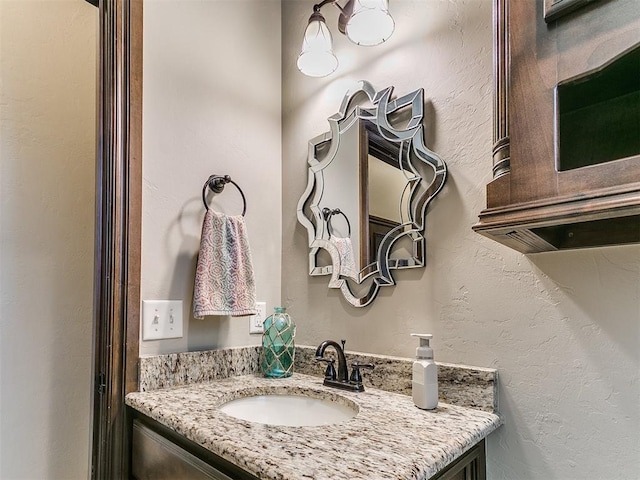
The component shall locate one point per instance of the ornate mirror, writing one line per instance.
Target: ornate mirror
(370, 181)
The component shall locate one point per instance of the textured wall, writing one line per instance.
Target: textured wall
(563, 329)
(211, 105)
(47, 184)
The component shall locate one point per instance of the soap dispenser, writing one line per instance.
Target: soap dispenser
(425, 375)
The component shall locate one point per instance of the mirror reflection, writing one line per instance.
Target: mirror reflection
(370, 181)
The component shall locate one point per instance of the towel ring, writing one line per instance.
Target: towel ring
(327, 213)
(217, 183)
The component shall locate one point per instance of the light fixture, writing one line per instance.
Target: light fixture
(370, 23)
(364, 22)
(316, 58)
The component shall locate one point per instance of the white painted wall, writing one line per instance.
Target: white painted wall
(563, 329)
(211, 105)
(47, 189)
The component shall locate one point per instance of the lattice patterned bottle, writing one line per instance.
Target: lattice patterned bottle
(278, 348)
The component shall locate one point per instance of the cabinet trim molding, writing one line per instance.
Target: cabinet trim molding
(118, 232)
(501, 141)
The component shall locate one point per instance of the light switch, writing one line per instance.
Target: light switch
(161, 319)
(256, 321)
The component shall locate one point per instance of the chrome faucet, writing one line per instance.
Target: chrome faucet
(341, 378)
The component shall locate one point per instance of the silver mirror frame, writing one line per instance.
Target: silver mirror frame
(421, 192)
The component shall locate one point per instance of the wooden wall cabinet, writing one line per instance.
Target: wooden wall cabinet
(565, 89)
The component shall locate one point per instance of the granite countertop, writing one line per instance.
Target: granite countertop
(389, 438)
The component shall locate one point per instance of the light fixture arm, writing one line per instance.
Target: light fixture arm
(345, 12)
(318, 6)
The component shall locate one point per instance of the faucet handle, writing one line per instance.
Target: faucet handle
(330, 372)
(355, 373)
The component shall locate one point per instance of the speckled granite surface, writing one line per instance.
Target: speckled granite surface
(460, 385)
(389, 438)
(174, 369)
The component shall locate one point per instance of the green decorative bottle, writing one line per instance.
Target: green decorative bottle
(278, 348)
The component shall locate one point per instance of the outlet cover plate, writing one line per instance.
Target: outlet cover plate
(161, 319)
(256, 321)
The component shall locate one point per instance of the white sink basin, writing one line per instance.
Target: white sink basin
(290, 410)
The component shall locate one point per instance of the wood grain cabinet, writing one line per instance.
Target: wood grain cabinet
(155, 457)
(159, 453)
(470, 466)
(566, 157)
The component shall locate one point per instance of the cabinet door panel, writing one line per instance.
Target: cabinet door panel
(533, 78)
(470, 466)
(157, 458)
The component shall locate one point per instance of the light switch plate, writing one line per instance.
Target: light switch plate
(256, 321)
(161, 319)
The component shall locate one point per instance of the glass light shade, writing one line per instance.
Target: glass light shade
(316, 58)
(370, 23)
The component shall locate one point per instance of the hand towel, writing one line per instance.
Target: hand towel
(347, 260)
(224, 283)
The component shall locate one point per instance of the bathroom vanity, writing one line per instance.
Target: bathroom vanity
(160, 453)
(180, 432)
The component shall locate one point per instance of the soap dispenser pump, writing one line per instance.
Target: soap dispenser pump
(425, 375)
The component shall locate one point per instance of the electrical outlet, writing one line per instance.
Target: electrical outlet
(161, 319)
(256, 322)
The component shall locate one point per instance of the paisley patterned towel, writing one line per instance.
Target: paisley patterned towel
(347, 260)
(224, 283)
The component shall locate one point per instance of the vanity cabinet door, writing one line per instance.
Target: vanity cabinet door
(154, 457)
(470, 466)
(160, 453)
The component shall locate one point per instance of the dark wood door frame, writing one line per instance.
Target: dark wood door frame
(118, 233)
